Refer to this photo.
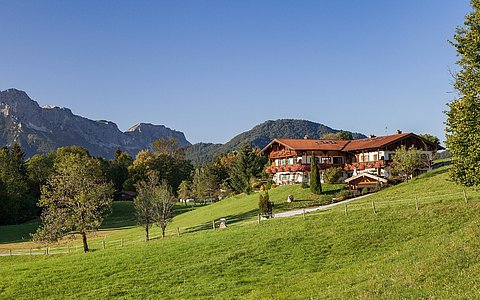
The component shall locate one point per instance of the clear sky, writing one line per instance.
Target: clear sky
(213, 69)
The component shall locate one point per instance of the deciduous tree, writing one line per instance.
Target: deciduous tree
(75, 199)
(463, 118)
(166, 201)
(146, 206)
(406, 161)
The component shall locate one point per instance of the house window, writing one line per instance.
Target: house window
(338, 160)
(326, 160)
(375, 157)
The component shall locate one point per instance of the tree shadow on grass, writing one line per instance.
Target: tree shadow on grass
(230, 219)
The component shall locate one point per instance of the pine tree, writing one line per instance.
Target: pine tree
(315, 184)
(247, 166)
(19, 158)
(463, 122)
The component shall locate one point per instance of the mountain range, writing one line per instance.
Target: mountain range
(43, 129)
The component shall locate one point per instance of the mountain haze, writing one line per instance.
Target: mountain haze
(44, 129)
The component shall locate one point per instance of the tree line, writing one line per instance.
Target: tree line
(72, 191)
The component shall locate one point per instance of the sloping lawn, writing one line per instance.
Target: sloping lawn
(397, 253)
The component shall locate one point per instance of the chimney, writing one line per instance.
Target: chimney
(306, 137)
(399, 131)
(372, 136)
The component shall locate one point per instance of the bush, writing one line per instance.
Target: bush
(333, 175)
(265, 206)
(269, 184)
(365, 191)
(343, 195)
(304, 184)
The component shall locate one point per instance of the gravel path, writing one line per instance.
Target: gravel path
(311, 209)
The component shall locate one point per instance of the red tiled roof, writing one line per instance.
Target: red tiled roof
(374, 142)
(305, 144)
(341, 145)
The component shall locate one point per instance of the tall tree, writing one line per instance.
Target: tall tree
(315, 180)
(431, 138)
(16, 204)
(168, 146)
(185, 190)
(248, 165)
(117, 172)
(19, 158)
(172, 169)
(39, 169)
(146, 206)
(463, 118)
(341, 135)
(166, 201)
(75, 199)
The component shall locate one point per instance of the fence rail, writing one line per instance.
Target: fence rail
(416, 203)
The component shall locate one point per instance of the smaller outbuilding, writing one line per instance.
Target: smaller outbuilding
(365, 180)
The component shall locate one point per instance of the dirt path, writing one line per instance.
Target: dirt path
(311, 209)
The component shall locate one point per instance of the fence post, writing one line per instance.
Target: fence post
(373, 206)
(465, 197)
(30, 251)
(121, 242)
(304, 214)
(346, 210)
(10, 251)
(46, 251)
(178, 231)
(258, 221)
(103, 244)
(213, 224)
(417, 206)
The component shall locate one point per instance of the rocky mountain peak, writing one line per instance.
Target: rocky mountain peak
(43, 129)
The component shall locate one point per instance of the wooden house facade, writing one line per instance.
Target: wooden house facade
(290, 158)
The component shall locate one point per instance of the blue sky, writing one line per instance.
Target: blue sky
(213, 69)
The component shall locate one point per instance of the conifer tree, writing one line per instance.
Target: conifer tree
(463, 122)
(315, 184)
(19, 158)
(247, 166)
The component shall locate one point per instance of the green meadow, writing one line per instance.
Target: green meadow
(398, 252)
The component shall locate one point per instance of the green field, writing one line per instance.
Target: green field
(397, 253)
(121, 224)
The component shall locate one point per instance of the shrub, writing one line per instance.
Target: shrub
(265, 206)
(343, 195)
(333, 175)
(305, 184)
(365, 191)
(269, 184)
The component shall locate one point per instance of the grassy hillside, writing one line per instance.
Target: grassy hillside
(399, 252)
(121, 222)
